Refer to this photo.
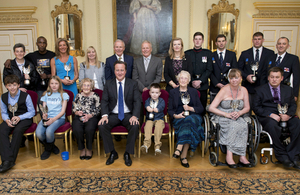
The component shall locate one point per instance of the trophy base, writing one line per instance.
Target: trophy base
(44, 123)
(186, 113)
(27, 82)
(151, 116)
(67, 78)
(253, 78)
(283, 124)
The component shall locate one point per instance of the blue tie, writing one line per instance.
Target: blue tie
(278, 61)
(121, 103)
(221, 59)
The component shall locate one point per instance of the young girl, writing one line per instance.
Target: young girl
(56, 101)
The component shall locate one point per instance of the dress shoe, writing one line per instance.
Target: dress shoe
(89, 157)
(240, 164)
(6, 165)
(186, 165)
(296, 164)
(127, 159)
(233, 166)
(287, 163)
(175, 155)
(112, 157)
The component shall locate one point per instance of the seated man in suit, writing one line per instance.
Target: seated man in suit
(17, 111)
(223, 60)
(120, 105)
(288, 62)
(119, 47)
(265, 103)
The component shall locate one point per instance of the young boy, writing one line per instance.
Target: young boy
(17, 122)
(158, 119)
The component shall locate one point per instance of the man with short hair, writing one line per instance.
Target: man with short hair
(265, 106)
(288, 62)
(16, 121)
(120, 105)
(202, 66)
(223, 60)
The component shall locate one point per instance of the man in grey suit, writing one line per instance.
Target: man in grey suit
(147, 69)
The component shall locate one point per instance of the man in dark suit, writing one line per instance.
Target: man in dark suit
(256, 54)
(265, 103)
(120, 105)
(202, 66)
(119, 47)
(223, 60)
(288, 62)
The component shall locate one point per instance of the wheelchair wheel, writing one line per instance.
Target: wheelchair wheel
(255, 159)
(213, 159)
(264, 160)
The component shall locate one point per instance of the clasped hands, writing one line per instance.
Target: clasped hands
(196, 84)
(280, 117)
(14, 120)
(50, 120)
(85, 117)
(149, 109)
(181, 115)
(233, 115)
(67, 81)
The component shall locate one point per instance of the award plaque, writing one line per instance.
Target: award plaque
(40, 70)
(13, 109)
(44, 110)
(67, 68)
(185, 98)
(26, 71)
(254, 67)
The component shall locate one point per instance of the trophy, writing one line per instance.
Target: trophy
(78, 107)
(13, 109)
(26, 71)
(185, 98)
(67, 68)
(254, 67)
(283, 110)
(153, 104)
(234, 104)
(40, 70)
(44, 110)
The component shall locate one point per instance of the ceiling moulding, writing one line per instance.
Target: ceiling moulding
(277, 10)
(21, 14)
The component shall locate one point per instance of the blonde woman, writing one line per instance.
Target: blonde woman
(92, 68)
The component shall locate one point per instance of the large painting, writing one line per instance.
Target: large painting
(138, 20)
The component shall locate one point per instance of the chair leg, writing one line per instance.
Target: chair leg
(170, 144)
(140, 140)
(66, 140)
(71, 143)
(35, 146)
(203, 148)
(98, 142)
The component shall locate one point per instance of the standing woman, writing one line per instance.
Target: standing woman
(62, 52)
(92, 68)
(175, 63)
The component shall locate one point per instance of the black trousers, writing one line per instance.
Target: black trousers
(203, 99)
(113, 121)
(86, 130)
(9, 150)
(283, 152)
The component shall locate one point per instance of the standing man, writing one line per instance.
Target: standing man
(289, 63)
(120, 105)
(223, 60)
(265, 103)
(202, 66)
(119, 48)
(256, 54)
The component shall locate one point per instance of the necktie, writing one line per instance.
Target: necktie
(120, 103)
(120, 59)
(257, 56)
(276, 95)
(221, 58)
(278, 61)
(146, 64)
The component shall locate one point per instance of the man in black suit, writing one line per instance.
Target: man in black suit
(265, 103)
(120, 105)
(202, 66)
(256, 54)
(223, 60)
(288, 62)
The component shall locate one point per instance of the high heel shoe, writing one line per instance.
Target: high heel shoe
(89, 157)
(186, 165)
(248, 165)
(233, 166)
(175, 155)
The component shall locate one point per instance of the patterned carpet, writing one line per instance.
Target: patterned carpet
(150, 182)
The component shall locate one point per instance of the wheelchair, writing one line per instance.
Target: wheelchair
(214, 147)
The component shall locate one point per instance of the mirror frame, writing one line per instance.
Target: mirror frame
(67, 8)
(222, 7)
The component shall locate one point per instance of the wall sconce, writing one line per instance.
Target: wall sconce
(225, 29)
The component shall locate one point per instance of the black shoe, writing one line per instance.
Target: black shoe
(127, 159)
(55, 149)
(248, 165)
(112, 157)
(186, 165)
(46, 154)
(296, 164)
(233, 166)
(89, 157)
(118, 138)
(82, 157)
(287, 163)
(175, 155)
(6, 165)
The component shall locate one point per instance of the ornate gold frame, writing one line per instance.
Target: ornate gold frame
(222, 7)
(67, 8)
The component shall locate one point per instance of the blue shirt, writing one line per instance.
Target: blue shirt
(160, 107)
(54, 103)
(12, 100)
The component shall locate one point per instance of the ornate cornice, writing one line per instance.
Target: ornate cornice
(277, 10)
(17, 14)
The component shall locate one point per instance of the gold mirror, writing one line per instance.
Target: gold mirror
(222, 19)
(67, 24)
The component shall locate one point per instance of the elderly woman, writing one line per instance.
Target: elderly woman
(229, 106)
(175, 63)
(92, 68)
(87, 110)
(188, 128)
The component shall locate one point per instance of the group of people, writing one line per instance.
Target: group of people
(123, 80)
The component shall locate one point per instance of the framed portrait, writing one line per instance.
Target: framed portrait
(138, 20)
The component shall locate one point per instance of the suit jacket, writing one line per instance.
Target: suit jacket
(109, 66)
(245, 61)
(174, 97)
(132, 97)
(290, 65)
(153, 74)
(169, 73)
(220, 72)
(264, 105)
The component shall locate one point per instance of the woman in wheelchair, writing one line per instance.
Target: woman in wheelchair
(185, 111)
(228, 107)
